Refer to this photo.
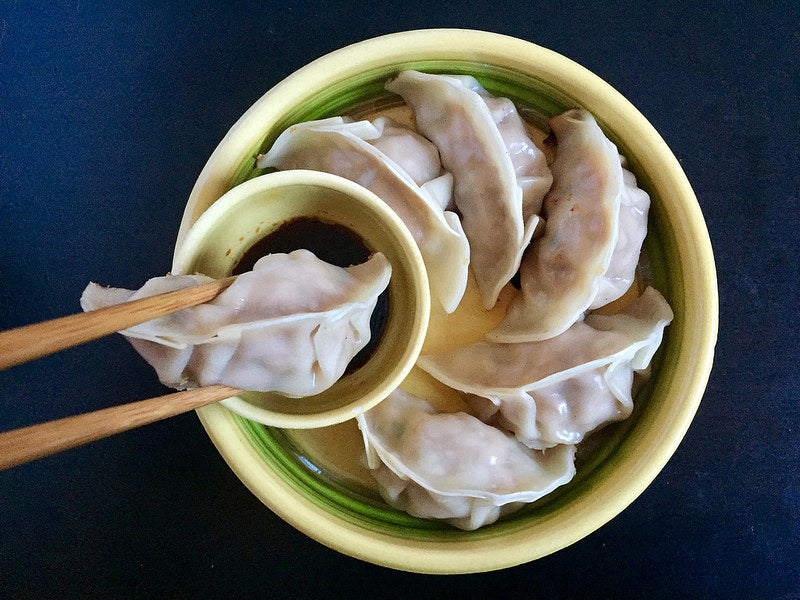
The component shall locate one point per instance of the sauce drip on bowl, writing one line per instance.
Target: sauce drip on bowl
(331, 242)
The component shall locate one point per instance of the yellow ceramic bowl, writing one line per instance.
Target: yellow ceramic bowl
(629, 455)
(257, 208)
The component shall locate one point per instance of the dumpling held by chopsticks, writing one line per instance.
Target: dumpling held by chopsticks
(291, 325)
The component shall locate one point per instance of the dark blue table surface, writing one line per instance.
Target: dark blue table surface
(108, 112)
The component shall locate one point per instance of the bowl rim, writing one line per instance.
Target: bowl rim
(699, 290)
(417, 324)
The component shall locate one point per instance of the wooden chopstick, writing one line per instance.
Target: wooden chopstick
(40, 339)
(29, 443)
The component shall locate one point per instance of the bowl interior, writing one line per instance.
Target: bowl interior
(254, 210)
(617, 463)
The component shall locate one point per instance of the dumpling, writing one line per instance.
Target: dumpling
(633, 210)
(562, 271)
(345, 148)
(452, 466)
(291, 325)
(529, 162)
(414, 154)
(455, 117)
(557, 390)
(419, 159)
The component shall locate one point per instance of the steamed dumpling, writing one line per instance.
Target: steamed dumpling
(452, 466)
(633, 211)
(557, 390)
(291, 325)
(455, 117)
(562, 271)
(351, 150)
(414, 154)
(529, 162)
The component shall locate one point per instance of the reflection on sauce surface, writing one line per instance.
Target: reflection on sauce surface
(331, 242)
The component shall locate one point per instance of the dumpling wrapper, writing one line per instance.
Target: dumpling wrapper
(455, 117)
(632, 229)
(291, 325)
(352, 150)
(529, 162)
(561, 273)
(414, 154)
(452, 466)
(556, 391)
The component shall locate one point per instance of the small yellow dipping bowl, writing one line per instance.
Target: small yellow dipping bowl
(256, 208)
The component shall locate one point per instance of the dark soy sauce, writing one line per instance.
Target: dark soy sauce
(333, 243)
